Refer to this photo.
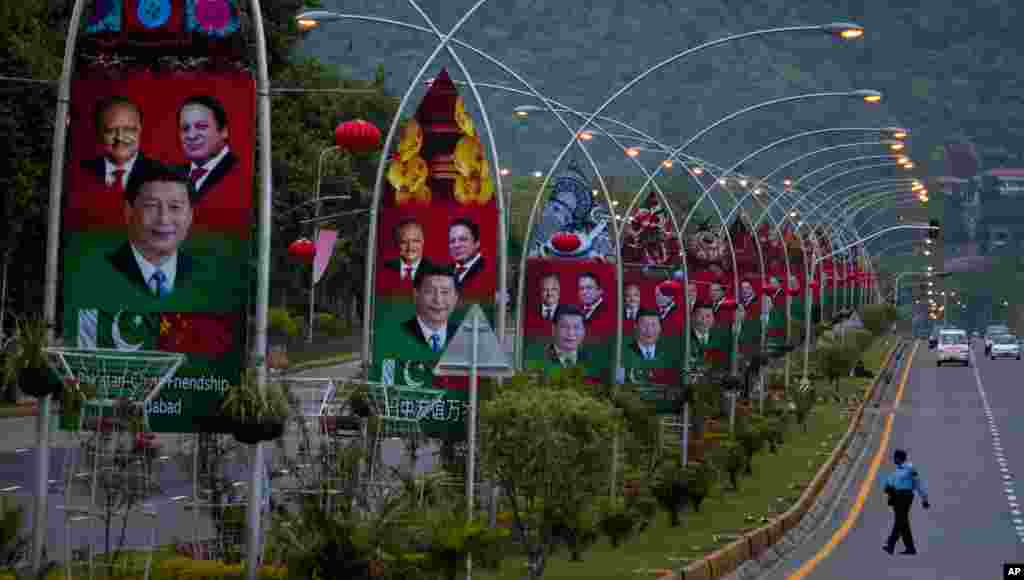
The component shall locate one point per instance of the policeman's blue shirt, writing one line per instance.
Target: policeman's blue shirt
(906, 478)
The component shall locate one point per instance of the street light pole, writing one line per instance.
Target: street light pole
(60, 131)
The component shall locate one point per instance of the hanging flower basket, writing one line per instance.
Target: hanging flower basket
(247, 431)
(39, 382)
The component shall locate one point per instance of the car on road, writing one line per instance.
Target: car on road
(991, 331)
(933, 339)
(1005, 346)
(953, 347)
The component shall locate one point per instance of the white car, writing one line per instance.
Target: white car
(1005, 346)
(953, 347)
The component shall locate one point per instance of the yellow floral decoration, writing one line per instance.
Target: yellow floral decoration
(408, 172)
(473, 184)
(462, 118)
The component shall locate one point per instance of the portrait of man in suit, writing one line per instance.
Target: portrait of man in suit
(591, 295)
(203, 134)
(691, 295)
(747, 294)
(642, 351)
(118, 131)
(631, 306)
(717, 296)
(667, 306)
(435, 296)
(464, 249)
(159, 215)
(550, 293)
(569, 333)
(408, 236)
(703, 321)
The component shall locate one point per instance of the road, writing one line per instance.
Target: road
(958, 426)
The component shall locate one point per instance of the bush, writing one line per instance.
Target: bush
(731, 459)
(751, 437)
(669, 489)
(182, 568)
(877, 318)
(698, 478)
(330, 324)
(281, 322)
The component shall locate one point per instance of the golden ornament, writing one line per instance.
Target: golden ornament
(411, 141)
(468, 155)
(462, 118)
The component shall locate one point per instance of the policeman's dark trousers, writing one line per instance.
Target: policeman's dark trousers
(901, 502)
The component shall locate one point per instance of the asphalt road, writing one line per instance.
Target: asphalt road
(968, 460)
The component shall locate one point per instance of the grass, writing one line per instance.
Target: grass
(768, 491)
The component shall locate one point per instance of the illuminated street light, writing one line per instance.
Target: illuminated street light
(586, 136)
(537, 174)
(896, 146)
(521, 113)
(743, 183)
(722, 181)
(667, 163)
(307, 24)
(697, 171)
(504, 171)
(844, 30)
(632, 151)
(787, 182)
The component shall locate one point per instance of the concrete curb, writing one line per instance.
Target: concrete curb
(752, 545)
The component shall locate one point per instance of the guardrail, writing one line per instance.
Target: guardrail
(751, 545)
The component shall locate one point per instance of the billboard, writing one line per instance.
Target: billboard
(156, 251)
(570, 282)
(654, 318)
(437, 253)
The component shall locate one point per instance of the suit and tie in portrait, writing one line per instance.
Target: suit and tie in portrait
(100, 183)
(398, 274)
(203, 134)
(645, 350)
(464, 248)
(425, 336)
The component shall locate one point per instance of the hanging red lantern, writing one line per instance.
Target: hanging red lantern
(302, 250)
(566, 242)
(358, 136)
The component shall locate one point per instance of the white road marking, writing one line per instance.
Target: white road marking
(997, 444)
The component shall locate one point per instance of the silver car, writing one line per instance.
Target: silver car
(1005, 346)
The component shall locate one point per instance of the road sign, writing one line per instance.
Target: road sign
(491, 358)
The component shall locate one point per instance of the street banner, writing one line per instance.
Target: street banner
(157, 221)
(325, 241)
(436, 254)
(654, 318)
(570, 316)
(711, 342)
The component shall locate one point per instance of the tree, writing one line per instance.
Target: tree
(547, 446)
(835, 361)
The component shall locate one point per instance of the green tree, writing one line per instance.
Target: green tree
(547, 446)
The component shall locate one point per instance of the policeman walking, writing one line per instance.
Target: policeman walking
(900, 486)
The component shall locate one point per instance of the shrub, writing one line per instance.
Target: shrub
(330, 324)
(731, 459)
(751, 435)
(698, 478)
(669, 489)
(281, 322)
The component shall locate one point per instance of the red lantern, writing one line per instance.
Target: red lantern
(358, 136)
(302, 250)
(566, 242)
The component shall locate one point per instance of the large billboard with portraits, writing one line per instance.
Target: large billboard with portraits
(654, 320)
(570, 317)
(157, 222)
(436, 253)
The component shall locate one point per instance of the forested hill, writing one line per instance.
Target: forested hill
(948, 68)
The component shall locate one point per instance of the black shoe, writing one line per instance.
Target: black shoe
(888, 549)
(909, 552)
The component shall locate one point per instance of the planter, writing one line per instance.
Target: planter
(334, 424)
(248, 432)
(272, 429)
(252, 432)
(39, 382)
